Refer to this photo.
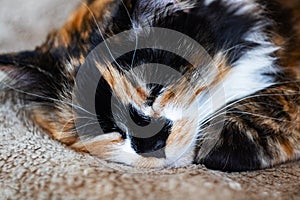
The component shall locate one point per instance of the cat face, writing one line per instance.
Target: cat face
(177, 108)
(146, 104)
(148, 83)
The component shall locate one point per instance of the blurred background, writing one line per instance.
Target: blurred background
(25, 24)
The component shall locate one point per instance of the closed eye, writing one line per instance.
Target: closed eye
(138, 117)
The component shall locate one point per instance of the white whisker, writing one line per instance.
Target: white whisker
(101, 35)
(49, 98)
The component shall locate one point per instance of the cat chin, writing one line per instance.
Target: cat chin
(131, 158)
(125, 154)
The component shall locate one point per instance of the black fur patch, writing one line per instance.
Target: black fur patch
(234, 151)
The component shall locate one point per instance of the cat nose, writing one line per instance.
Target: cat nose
(148, 135)
(152, 146)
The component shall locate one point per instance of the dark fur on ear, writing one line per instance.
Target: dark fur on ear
(38, 80)
(31, 68)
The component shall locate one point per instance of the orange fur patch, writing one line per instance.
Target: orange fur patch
(123, 87)
(288, 149)
(59, 125)
(100, 146)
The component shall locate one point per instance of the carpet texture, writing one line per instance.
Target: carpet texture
(35, 167)
(32, 166)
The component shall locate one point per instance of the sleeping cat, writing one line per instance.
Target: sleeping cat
(233, 105)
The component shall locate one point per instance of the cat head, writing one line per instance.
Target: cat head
(89, 85)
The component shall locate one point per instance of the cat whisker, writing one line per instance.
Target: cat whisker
(254, 96)
(101, 34)
(48, 98)
(86, 125)
(262, 116)
(223, 111)
(239, 112)
(136, 35)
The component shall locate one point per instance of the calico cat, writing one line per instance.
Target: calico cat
(254, 45)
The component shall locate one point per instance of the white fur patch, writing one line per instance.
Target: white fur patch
(245, 78)
(257, 36)
(247, 75)
(124, 153)
(172, 113)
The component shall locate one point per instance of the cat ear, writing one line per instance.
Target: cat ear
(36, 80)
(18, 70)
(28, 71)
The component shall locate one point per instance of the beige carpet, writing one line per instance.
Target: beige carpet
(32, 166)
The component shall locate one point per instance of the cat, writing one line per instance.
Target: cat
(254, 44)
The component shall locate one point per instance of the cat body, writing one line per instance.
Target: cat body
(254, 46)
